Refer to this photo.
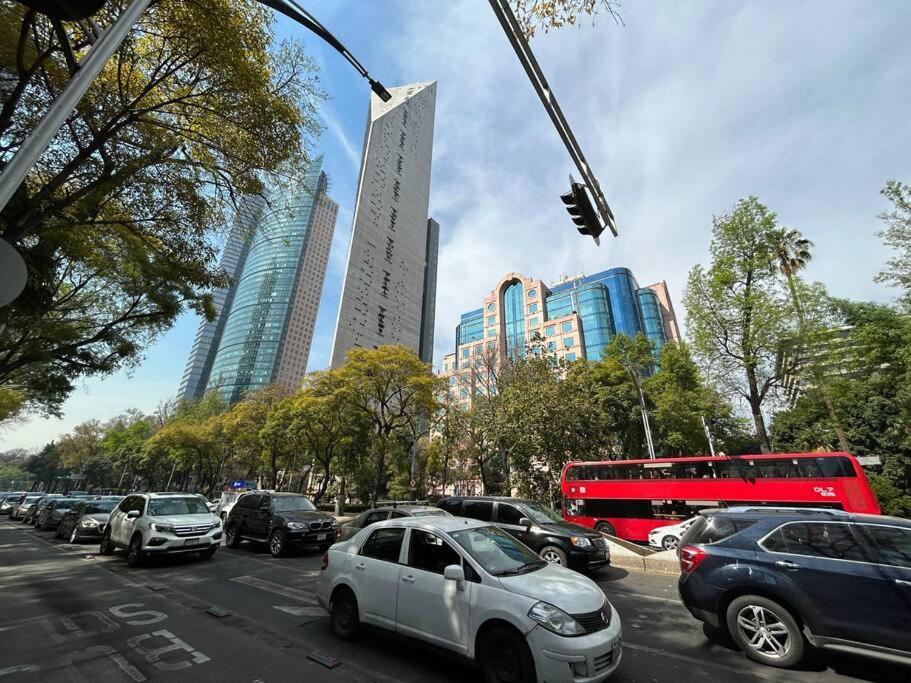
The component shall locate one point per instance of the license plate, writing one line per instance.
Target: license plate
(196, 541)
(321, 537)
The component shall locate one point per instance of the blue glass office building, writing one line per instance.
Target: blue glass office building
(576, 318)
(267, 327)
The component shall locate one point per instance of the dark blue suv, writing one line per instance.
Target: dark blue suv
(779, 578)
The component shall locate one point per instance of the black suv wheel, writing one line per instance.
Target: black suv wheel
(232, 536)
(277, 543)
(765, 631)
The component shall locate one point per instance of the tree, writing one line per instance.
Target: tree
(898, 236)
(736, 312)
(792, 251)
(393, 390)
(637, 357)
(554, 14)
(115, 220)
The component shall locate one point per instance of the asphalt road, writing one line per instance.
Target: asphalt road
(67, 614)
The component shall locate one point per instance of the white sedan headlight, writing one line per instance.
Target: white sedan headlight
(296, 525)
(555, 620)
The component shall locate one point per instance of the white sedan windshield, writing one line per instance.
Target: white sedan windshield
(496, 551)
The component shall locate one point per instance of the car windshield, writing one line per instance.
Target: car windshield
(65, 503)
(99, 506)
(184, 505)
(289, 503)
(427, 513)
(541, 514)
(498, 552)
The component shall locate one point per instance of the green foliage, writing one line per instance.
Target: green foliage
(115, 221)
(897, 235)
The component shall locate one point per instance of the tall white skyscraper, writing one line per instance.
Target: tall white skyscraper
(390, 282)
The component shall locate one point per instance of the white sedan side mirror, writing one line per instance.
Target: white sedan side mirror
(455, 573)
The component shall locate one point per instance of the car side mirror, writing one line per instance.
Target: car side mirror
(133, 514)
(455, 573)
(526, 522)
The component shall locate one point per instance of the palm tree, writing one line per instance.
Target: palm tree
(792, 251)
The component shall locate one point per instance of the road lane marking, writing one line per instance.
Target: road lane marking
(19, 668)
(302, 611)
(277, 588)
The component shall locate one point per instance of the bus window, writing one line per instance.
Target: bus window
(836, 467)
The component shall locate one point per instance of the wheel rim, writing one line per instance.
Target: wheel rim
(343, 613)
(134, 550)
(73, 537)
(669, 543)
(764, 632)
(552, 557)
(505, 662)
(229, 536)
(276, 544)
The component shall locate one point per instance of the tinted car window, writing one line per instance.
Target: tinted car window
(395, 514)
(508, 514)
(374, 517)
(125, 504)
(289, 503)
(816, 539)
(249, 502)
(714, 528)
(431, 553)
(478, 509)
(892, 545)
(451, 505)
(384, 544)
(98, 506)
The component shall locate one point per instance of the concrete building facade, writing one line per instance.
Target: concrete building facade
(389, 292)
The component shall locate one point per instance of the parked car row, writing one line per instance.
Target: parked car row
(77, 515)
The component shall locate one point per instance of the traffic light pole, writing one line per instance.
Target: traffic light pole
(523, 51)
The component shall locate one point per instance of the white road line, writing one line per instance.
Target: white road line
(302, 611)
(277, 588)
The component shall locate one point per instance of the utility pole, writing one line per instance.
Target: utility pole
(708, 435)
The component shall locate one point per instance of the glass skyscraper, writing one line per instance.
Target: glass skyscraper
(575, 319)
(264, 338)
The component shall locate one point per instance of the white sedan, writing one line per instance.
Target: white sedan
(668, 537)
(472, 588)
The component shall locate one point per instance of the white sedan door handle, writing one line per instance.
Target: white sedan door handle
(360, 566)
(408, 579)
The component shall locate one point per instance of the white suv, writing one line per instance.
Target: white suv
(162, 524)
(472, 588)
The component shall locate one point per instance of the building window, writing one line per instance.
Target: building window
(532, 293)
(477, 349)
(492, 332)
(463, 393)
(491, 320)
(465, 352)
(490, 306)
(550, 330)
(567, 342)
(566, 327)
(534, 321)
(533, 308)
(452, 381)
(570, 357)
(551, 346)
(491, 345)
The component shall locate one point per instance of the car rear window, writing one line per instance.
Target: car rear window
(715, 528)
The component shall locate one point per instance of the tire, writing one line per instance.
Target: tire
(752, 618)
(207, 553)
(58, 531)
(553, 554)
(346, 620)
(277, 545)
(232, 536)
(74, 536)
(670, 542)
(504, 657)
(107, 547)
(606, 528)
(134, 552)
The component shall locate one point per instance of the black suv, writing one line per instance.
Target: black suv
(778, 578)
(538, 527)
(279, 519)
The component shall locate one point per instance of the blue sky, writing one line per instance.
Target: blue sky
(686, 109)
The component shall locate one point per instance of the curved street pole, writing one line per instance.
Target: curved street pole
(34, 146)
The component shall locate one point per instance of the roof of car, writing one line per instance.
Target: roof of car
(797, 513)
(439, 522)
(404, 508)
(166, 494)
(502, 499)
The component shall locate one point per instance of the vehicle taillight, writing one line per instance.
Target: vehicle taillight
(691, 557)
(325, 562)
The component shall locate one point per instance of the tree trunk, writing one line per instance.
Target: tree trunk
(762, 435)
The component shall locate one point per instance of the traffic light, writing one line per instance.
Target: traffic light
(580, 207)
(65, 9)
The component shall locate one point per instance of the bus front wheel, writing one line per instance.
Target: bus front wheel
(606, 528)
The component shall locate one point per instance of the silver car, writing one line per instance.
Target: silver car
(372, 516)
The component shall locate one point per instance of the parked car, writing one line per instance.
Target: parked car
(148, 524)
(8, 500)
(668, 537)
(86, 519)
(31, 515)
(780, 579)
(472, 588)
(372, 516)
(53, 512)
(25, 501)
(279, 519)
(226, 502)
(540, 528)
(78, 494)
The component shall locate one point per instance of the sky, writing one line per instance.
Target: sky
(681, 112)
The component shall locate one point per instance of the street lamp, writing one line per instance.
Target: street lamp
(106, 45)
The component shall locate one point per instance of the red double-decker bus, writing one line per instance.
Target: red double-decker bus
(629, 498)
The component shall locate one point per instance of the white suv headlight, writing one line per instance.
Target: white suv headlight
(156, 526)
(555, 620)
(296, 525)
